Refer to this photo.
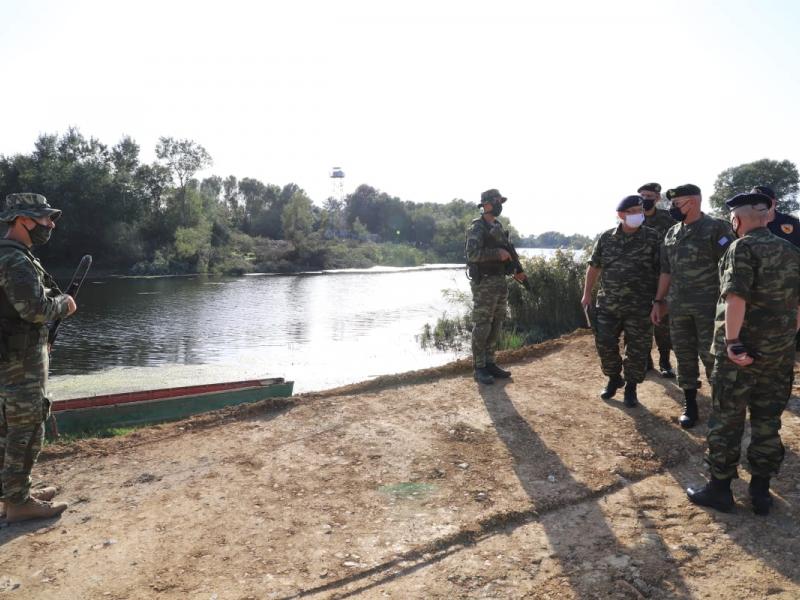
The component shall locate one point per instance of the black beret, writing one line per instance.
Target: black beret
(687, 189)
(763, 189)
(748, 199)
(490, 195)
(629, 202)
(650, 187)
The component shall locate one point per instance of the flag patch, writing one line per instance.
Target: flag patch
(723, 240)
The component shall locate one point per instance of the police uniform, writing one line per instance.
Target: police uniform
(29, 299)
(764, 271)
(487, 273)
(786, 227)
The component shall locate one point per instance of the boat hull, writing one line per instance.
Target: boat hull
(93, 414)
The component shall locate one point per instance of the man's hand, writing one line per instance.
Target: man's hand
(738, 355)
(586, 300)
(504, 254)
(520, 277)
(71, 306)
(657, 313)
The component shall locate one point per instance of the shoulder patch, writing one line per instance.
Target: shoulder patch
(723, 240)
(787, 228)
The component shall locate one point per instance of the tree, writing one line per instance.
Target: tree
(183, 158)
(297, 218)
(781, 176)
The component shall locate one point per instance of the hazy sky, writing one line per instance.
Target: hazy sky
(566, 107)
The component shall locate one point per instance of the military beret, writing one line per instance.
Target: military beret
(629, 202)
(688, 189)
(763, 189)
(28, 205)
(748, 199)
(650, 187)
(490, 195)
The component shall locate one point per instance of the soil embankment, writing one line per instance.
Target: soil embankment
(416, 486)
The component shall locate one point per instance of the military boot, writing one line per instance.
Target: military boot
(689, 416)
(630, 399)
(715, 494)
(45, 493)
(614, 383)
(483, 376)
(759, 495)
(665, 367)
(33, 509)
(497, 372)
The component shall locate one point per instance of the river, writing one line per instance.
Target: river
(320, 330)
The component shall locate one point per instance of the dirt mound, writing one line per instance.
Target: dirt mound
(421, 485)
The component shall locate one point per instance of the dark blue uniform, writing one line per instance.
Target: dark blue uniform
(786, 227)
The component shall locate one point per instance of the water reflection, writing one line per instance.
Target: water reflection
(320, 330)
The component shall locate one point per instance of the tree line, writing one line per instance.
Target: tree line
(155, 218)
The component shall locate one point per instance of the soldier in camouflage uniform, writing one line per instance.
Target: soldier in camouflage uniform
(658, 219)
(689, 281)
(756, 321)
(488, 263)
(29, 299)
(625, 260)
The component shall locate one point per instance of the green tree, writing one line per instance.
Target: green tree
(183, 158)
(781, 176)
(297, 218)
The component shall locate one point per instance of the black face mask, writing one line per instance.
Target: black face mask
(676, 213)
(648, 204)
(39, 234)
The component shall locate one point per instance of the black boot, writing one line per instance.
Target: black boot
(630, 399)
(483, 376)
(665, 367)
(497, 372)
(715, 494)
(614, 383)
(689, 416)
(759, 495)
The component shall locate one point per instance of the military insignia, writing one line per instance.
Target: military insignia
(723, 240)
(787, 228)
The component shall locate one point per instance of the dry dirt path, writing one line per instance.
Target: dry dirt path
(437, 488)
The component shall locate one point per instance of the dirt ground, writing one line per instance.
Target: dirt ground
(417, 486)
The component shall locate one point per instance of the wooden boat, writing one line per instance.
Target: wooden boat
(96, 413)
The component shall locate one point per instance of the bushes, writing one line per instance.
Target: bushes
(551, 310)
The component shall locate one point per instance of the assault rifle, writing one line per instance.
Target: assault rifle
(72, 290)
(517, 266)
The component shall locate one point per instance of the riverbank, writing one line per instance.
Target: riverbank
(416, 485)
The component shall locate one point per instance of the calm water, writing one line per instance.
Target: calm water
(320, 330)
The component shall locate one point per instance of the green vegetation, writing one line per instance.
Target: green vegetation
(554, 239)
(553, 308)
(781, 176)
(110, 432)
(158, 218)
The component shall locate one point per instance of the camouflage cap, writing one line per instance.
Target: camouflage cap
(490, 195)
(28, 205)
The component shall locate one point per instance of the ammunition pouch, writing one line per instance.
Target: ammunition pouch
(16, 336)
(479, 270)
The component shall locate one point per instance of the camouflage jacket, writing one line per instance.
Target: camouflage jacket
(483, 244)
(691, 253)
(629, 263)
(765, 271)
(660, 221)
(27, 292)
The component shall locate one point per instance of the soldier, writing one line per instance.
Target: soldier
(29, 298)
(757, 317)
(625, 259)
(658, 219)
(690, 253)
(488, 264)
(783, 225)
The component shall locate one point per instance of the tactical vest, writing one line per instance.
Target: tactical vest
(16, 334)
(482, 269)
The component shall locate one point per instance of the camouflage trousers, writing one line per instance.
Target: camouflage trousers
(763, 388)
(23, 411)
(638, 332)
(661, 335)
(489, 302)
(692, 332)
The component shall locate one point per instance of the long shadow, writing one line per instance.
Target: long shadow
(533, 463)
(743, 526)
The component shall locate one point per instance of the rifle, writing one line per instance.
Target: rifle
(518, 266)
(72, 290)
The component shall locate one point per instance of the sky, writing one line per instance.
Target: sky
(565, 107)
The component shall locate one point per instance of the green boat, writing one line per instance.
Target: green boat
(130, 409)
